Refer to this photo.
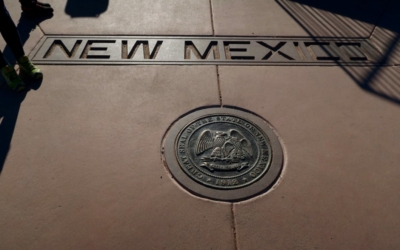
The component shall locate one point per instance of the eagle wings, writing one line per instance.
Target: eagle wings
(225, 145)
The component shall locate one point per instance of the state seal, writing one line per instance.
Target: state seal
(223, 153)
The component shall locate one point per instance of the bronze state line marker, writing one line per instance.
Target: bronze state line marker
(203, 50)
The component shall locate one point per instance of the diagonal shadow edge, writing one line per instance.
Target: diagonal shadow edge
(365, 82)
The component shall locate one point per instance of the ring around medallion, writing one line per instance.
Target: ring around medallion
(223, 153)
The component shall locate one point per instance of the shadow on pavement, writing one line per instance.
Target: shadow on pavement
(356, 17)
(10, 101)
(339, 18)
(9, 108)
(25, 26)
(86, 8)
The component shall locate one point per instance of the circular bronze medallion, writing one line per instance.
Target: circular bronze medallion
(223, 153)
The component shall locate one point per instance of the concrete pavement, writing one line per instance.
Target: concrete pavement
(81, 153)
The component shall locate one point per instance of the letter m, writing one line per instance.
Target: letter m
(191, 48)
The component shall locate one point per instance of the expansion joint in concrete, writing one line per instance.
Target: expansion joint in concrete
(219, 87)
(234, 227)
(38, 42)
(41, 29)
(212, 18)
(385, 9)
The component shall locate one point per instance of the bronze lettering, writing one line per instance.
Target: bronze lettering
(230, 47)
(90, 46)
(353, 51)
(321, 51)
(275, 50)
(191, 48)
(58, 43)
(140, 43)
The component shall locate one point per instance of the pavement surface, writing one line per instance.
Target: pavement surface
(80, 153)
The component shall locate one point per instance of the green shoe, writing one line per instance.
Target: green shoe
(12, 79)
(28, 68)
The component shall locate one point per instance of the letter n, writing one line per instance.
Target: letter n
(58, 43)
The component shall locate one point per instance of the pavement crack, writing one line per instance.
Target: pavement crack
(219, 87)
(39, 42)
(385, 9)
(212, 18)
(234, 226)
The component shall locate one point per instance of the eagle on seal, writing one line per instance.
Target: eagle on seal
(230, 147)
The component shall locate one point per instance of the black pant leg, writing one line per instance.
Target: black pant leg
(26, 2)
(10, 33)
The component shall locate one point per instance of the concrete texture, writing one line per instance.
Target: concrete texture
(126, 17)
(253, 18)
(296, 18)
(85, 163)
(341, 160)
(80, 154)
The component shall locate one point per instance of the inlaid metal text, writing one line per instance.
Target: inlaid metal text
(204, 50)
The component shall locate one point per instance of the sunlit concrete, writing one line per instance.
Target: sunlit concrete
(81, 159)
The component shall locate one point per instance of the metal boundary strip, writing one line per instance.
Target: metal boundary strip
(203, 50)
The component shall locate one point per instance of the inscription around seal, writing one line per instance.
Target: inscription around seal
(223, 151)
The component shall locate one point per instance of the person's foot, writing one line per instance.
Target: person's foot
(27, 68)
(36, 9)
(12, 79)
